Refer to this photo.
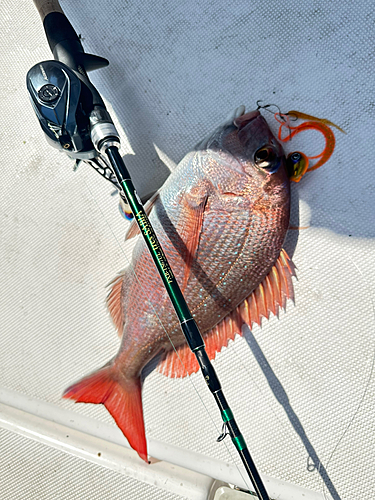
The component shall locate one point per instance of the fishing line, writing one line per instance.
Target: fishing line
(285, 430)
(233, 219)
(245, 479)
(320, 467)
(266, 106)
(372, 367)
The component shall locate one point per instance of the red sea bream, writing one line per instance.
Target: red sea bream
(221, 218)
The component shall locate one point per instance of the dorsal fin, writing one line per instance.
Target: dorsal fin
(267, 298)
(134, 228)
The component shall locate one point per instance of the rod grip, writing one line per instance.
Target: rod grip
(59, 30)
(45, 7)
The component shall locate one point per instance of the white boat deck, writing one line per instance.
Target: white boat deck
(302, 387)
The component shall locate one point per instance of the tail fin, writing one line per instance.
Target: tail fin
(122, 398)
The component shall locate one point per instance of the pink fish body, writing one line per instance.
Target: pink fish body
(221, 219)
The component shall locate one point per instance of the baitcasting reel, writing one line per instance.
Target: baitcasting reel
(70, 110)
(62, 104)
(73, 116)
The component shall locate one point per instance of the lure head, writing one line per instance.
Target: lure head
(297, 164)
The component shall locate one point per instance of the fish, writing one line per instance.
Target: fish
(221, 218)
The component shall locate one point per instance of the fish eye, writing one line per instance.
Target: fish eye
(267, 159)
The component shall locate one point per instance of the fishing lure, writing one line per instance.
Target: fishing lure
(297, 162)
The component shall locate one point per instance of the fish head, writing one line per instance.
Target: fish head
(244, 158)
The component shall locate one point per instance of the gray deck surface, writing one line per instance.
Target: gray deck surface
(302, 387)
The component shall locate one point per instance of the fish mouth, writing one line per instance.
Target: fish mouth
(241, 121)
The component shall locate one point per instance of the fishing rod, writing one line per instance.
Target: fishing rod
(75, 120)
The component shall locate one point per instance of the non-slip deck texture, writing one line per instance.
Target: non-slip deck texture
(302, 386)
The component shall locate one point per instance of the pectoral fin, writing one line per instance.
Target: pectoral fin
(115, 302)
(190, 232)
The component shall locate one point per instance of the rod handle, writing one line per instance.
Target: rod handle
(45, 7)
(63, 41)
